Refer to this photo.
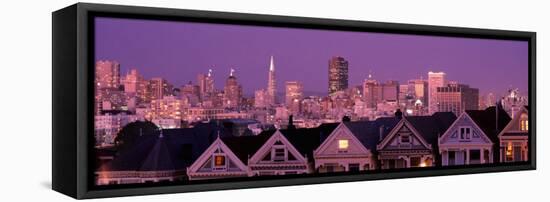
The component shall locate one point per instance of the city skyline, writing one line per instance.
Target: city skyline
(178, 51)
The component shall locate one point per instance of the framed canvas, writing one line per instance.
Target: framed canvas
(156, 100)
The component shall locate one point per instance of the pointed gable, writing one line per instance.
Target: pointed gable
(403, 136)
(218, 157)
(464, 131)
(341, 141)
(519, 125)
(277, 148)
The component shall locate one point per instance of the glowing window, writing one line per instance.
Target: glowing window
(219, 161)
(524, 122)
(343, 144)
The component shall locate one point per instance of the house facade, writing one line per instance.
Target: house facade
(413, 141)
(217, 161)
(159, 157)
(514, 138)
(342, 151)
(155, 164)
(465, 143)
(404, 147)
(278, 156)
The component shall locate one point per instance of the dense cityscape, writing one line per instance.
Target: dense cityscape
(132, 97)
(227, 119)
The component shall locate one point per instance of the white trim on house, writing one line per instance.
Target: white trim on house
(462, 148)
(404, 157)
(193, 170)
(332, 136)
(510, 143)
(325, 161)
(395, 130)
(511, 123)
(257, 166)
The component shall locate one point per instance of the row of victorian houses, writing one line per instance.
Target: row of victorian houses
(211, 152)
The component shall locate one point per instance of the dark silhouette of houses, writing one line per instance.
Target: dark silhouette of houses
(492, 121)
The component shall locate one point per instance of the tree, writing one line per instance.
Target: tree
(131, 132)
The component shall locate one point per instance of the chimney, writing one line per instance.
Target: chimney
(291, 122)
(398, 114)
(380, 132)
(497, 107)
(346, 119)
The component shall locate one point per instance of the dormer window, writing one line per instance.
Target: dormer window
(219, 162)
(405, 139)
(465, 133)
(524, 122)
(343, 145)
(279, 154)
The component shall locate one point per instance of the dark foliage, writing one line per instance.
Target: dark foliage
(129, 134)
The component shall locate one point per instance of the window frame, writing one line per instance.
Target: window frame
(274, 153)
(340, 145)
(214, 160)
(467, 135)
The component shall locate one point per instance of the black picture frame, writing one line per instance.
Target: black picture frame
(72, 84)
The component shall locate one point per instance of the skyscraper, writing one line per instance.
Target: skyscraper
(206, 84)
(271, 84)
(293, 97)
(375, 92)
(390, 91)
(158, 88)
(294, 90)
(337, 74)
(435, 80)
(135, 86)
(232, 91)
(371, 94)
(260, 98)
(456, 98)
(107, 74)
(419, 90)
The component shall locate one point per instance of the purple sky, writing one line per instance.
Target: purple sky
(178, 51)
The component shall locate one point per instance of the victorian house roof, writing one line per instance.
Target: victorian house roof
(490, 120)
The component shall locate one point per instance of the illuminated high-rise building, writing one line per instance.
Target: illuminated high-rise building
(418, 88)
(456, 98)
(337, 74)
(107, 74)
(375, 92)
(271, 84)
(260, 98)
(206, 84)
(293, 97)
(390, 91)
(435, 80)
(135, 85)
(158, 88)
(232, 91)
(371, 94)
(294, 90)
(169, 107)
(107, 93)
